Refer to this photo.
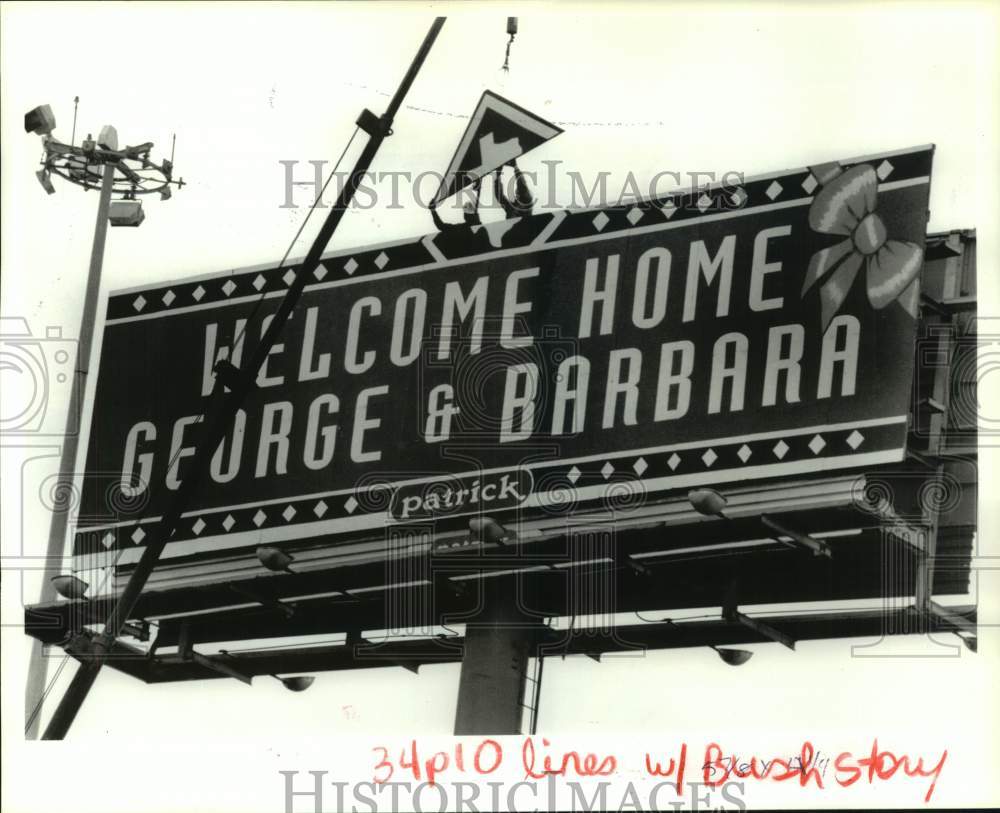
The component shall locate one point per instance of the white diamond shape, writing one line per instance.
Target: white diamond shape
(780, 449)
(320, 508)
(573, 475)
(634, 215)
(138, 535)
(168, 297)
(674, 461)
(884, 170)
(855, 439)
(350, 505)
(601, 221)
(259, 281)
(704, 201)
(810, 183)
(108, 540)
(607, 470)
(382, 260)
(668, 209)
(228, 522)
(774, 190)
(288, 513)
(738, 197)
(351, 266)
(709, 457)
(289, 277)
(817, 444)
(229, 287)
(744, 453)
(198, 293)
(640, 466)
(259, 517)
(199, 526)
(139, 302)
(320, 272)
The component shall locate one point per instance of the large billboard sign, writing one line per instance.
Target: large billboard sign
(728, 334)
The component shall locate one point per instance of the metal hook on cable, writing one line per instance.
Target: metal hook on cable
(512, 30)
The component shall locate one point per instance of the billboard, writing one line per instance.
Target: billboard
(565, 361)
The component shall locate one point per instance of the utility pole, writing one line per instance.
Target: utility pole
(223, 408)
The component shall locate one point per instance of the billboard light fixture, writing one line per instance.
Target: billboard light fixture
(296, 683)
(733, 657)
(711, 503)
(487, 529)
(71, 587)
(275, 559)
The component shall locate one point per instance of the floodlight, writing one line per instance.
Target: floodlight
(708, 502)
(45, 179)
(487, 529)
(69, 586)
(274, 559)
(971, 642)
(41, 120)
(108, 137)
(126, 213)
(165, 193)
(733, 657)
(298, 683)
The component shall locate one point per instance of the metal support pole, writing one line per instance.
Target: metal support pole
(220, 419)
(37, 666)
(498, 644)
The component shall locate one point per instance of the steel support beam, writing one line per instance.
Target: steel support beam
(498, 643)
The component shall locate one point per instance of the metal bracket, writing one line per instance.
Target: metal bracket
(638, 567)
(758, 626)
(804, 540)
(374, 125)
(264, 601)
(219, 666)
(229, 374)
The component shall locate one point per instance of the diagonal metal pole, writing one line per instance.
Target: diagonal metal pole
(220, 420)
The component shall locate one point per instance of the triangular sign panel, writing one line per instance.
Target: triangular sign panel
(498, 132)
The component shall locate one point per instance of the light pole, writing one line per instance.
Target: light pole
(224, 407)
(121, 175)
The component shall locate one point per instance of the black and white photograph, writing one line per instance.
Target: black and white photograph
(480, 407)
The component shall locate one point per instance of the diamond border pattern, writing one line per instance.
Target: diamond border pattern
(711, 456)
(674, 207)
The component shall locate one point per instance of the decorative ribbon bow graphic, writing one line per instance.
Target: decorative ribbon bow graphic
(846, 206)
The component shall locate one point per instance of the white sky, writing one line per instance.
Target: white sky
(682, 88)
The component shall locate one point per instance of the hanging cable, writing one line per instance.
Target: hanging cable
(319, 199)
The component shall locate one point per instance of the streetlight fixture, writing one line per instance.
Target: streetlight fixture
(119, 174)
